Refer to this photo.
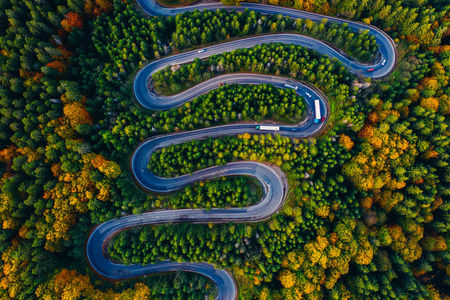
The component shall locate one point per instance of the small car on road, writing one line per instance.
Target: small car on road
(201, 51)
(383, 62)
(308, 94)
(222, 84)
(294, 129)
(371, 70)
(323, 118)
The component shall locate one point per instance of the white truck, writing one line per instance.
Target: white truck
(317, 109)
(265, 127)
(294, 87)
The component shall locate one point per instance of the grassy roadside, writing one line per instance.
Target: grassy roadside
(402, 50)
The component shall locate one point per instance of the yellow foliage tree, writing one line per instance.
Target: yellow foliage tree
(70, 285)
(444, 104)
(407, 246)
(304, 4)
(365, 253)
(346, 141)
(430, 103)
(322, 211)
(264, 294)
(315, 251)
(287, 279)
(77, 114)
(430, 83)
(11, 272)
(293, 261)
(110, 169)
(245, 136)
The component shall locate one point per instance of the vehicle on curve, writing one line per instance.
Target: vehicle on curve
(294, 129)
(294, 87)
(317, 109)
(222, 84)
(308, 94)
(201, 50)
(383, 62)
(268, 127)
(371, 70)
(323, 118)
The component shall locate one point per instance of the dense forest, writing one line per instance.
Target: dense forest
(220, 25)
(232, 103)
(368, 214)
(422, 23)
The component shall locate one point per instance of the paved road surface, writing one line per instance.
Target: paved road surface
(272, 179)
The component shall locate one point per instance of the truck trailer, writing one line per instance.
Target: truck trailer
(294, 87)
(268, 127)
(317, 108)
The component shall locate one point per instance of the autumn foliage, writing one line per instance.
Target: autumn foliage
(70, 285)
(346, 141)
(368, 207)
(71, 21)
(371, 169)
(96, 8)
(71, 196)
(8, 154)
(324, 260)
(58, 65)
(77, 114)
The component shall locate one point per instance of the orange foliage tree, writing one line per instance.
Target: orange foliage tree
(7, 155)
(430, 103)
(72, 20)
(58, 65)
(96, 8)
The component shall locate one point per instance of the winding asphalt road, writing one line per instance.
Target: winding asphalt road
(272, 179)
(387, 45)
